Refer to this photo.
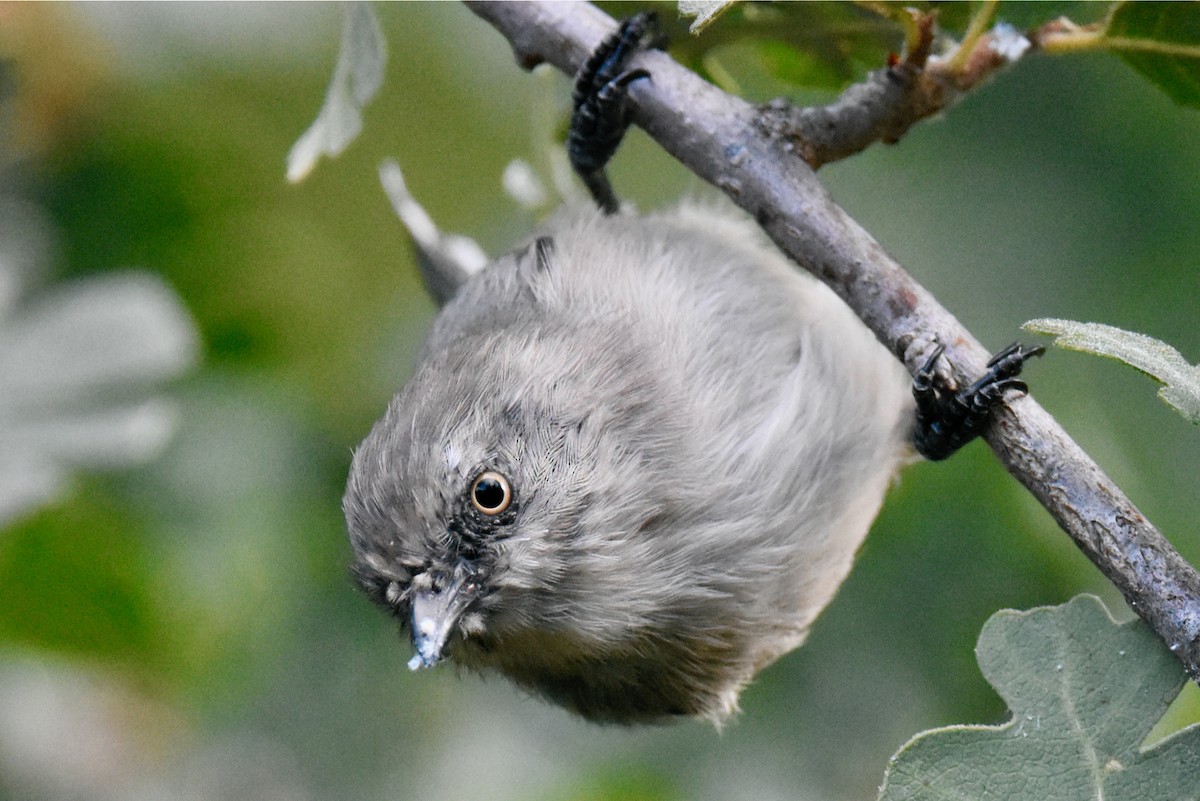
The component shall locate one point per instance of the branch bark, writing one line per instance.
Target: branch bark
(892, 100)
(722, 139)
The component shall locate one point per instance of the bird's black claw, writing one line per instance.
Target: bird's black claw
(947, 420)
(600, 117)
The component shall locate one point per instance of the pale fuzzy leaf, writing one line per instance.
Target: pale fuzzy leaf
(446, 260)
(25, 245)
(1147, 354)
(49, 707)
(71, 366)
(25, 485)
(85, 337)
(37, 455)
(356, 78)
(704, 11)
(523, 185)
(1084, 693)
(1185, 398)
(464, 251)
(1150, 355)
(107, 437)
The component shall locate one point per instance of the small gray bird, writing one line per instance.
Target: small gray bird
(637, 455)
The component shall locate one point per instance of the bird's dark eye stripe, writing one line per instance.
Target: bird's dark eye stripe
(491, 493)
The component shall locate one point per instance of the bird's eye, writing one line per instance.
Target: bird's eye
(491, 493)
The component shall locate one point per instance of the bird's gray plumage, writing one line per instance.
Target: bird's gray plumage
(697, 437)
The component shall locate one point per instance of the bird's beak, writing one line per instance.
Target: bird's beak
(435, 613)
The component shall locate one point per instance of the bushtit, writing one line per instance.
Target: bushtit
(638, 453)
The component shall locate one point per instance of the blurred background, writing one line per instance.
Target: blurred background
(176, 616)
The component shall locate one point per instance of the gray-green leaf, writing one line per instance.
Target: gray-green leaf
(356, 78)
(1153, 357)
(1084, 693)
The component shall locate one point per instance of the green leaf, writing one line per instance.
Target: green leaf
(1084, 693)
(823, 46)
(1153, 357)
(1161, 41)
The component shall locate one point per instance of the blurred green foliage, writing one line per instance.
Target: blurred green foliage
(215, 581)
(110, 613)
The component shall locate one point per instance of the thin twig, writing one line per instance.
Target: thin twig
(980, 21)
(721, 139)
(892, 100)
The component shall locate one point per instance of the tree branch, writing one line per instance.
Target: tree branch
(722, 139)
(894, 99)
